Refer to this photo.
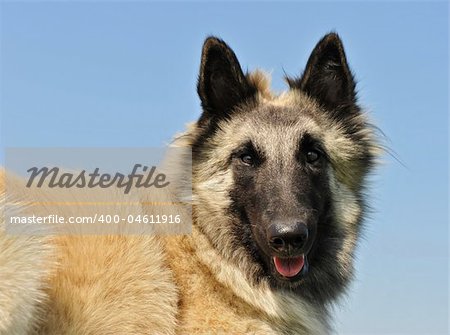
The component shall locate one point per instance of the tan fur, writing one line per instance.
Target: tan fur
(217, 297)
(261, 80)
(84, 284)
(110, 285)
(25, 264)
(24, 267)
(206, 305)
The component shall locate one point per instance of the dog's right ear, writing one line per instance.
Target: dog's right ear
(221, 84)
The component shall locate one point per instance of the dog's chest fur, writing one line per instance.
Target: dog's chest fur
(205, 305)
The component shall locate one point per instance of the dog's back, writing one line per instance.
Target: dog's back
(71, 284)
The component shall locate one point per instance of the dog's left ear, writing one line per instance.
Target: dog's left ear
(327, 76)
(221, 84)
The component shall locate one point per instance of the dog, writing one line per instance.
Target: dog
(278, 189)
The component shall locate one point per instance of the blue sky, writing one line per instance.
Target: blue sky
(124, 74)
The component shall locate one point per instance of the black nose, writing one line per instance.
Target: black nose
(287, 237)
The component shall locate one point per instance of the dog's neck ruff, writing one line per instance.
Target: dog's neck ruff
(284, 308)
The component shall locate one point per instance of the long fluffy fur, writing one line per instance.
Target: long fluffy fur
(78, 284)
(25, 265)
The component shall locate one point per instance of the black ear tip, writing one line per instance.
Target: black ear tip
(331, 40)
(332, 35)
(213, 42)
(331, 47)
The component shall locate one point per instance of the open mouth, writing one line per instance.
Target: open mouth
(290, 267)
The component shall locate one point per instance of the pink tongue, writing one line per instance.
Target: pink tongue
(289, 267)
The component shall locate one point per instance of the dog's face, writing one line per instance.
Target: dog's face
(280, 187)
(278, 179)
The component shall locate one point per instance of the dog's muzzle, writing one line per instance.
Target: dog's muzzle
(288, 242)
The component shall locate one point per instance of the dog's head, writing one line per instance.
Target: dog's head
(278, 179)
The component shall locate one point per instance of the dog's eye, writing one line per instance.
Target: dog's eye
(247, 159)
(312, 156)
